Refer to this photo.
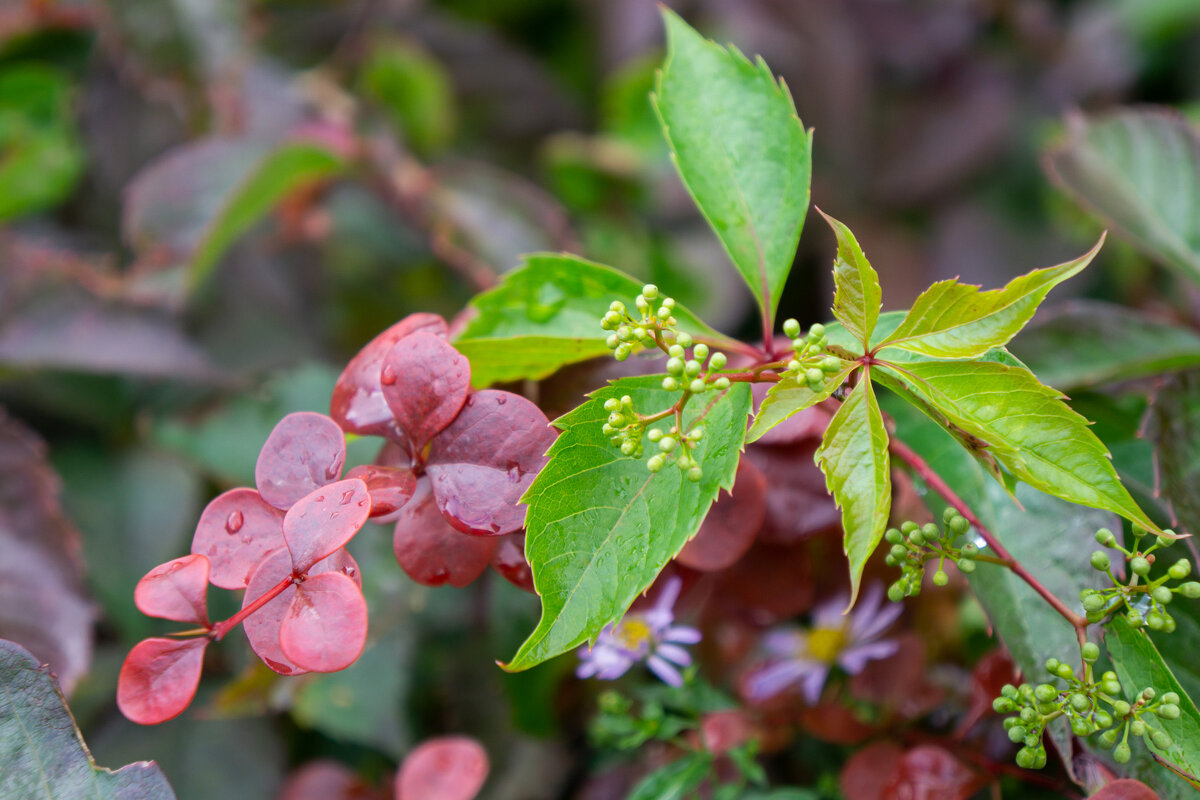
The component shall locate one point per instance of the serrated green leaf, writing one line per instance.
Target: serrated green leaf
(42, 755)
(546, 314)
(956, 320)
(1026, 426)
(1138, 664)
(282, 170)
(678, 780)
(857, 297)
(854, 457)
(790, 396)
(41, 158)
(1139, 171)
(601, 526)
(742, 152)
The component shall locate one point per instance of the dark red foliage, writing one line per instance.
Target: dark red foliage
(390, 487)
(425, 382)
(159, 679)
(797, 504)
(176, 590)
(1125, 789)
(866, 773)
(731, 525)
(433, 553)
(931, 773)
(325, 520)
(304, 452)
(987, 679)
(509, 560)
(327, 780)
(446, 768)
(235, 531)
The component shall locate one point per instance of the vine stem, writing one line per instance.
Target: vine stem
(221, 628)
(935, 482)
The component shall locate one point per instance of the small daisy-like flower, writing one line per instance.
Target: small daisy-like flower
(649, 636)
(806, 656)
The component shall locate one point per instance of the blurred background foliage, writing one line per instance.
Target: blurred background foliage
(206, 206)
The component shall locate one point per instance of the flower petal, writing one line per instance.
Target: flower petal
(774, 678)
(675, 654)
(664, 670)
(681, 634)
(856, 657)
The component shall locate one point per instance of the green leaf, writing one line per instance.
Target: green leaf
(1139, 171)
(1138, 664)
(413, 89)
(1089, 342)
(742, 153)
(854, 457)
(42, 754)
(281, 171)
(858, 297)
(1026, 426)
(546, 314)
(676, 781)
(601, 526)
(1173, 425)
(956, 320)
(790, 396)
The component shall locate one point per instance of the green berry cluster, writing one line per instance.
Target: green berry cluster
(624, 427)
(1144, 599)
(1090, 705)
(914, 545)
(676, 449)
(654, 325)
(810, 359)
(693, 374)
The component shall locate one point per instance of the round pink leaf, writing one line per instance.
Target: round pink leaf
(304, 452)
(433, 553)
(159, 678)
(324, 520)
(262, 627)
(486, 459)
(446, 768)
(357, 403)
(235, 531)
(325, 627)
(425, 382)
(176, 590)
(390, 487)
(731, 525)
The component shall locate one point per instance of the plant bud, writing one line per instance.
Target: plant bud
(1121, 708)
(1100, 560)
(675, 351)
(721, 383)
(895, 593)
(1169, 710)
(1162, 740)
(694, 474)
(1105, 537)
(1102, 719)
(684, 339)
(959, 526)
(1163, 595)
(1139, 566)
(791, 328)
(650, 291)
(965, 565)
(1121, 753)
(1180, 569)
(1137, 727)
(675, 366)
(622, 352)
(717, 361)
(817, 331)
(697, 386)
(1090, 651)
(893, 536)
(1170, 698)
(700, 351)
(1109, 738)
(691, 368)
(1190, 590)
(667, 444)
(670, 384)
(612, 341)
(940, 578)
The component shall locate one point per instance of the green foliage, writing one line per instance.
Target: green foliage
(42, 158)
(414, 90)
(600, 526)
(858, 297)
(742, 153)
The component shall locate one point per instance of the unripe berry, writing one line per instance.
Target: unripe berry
(617, 307)
(895, 593)
(1134, 618)
(1137, 727)
(625, 334)
(830, 364)
(1170, 698)
(1109, 738)
(791, 328)
(654, 435)
(1080, 726)
(1139, 566)
(612, 404)
(1064, 671)
(1016, 733)
(668, 302)
(1102, 719)
(969, 550)
(663, 312)
(1045, 693)
(667, 444)
(893, 536)
(1121, 708)
(908, 527)
(675, 351)
(930, 530)
(817, 331)
(1169, 710)
(1090, 651)
(1149, 692)
(695, 474)
(1009, 691)
(691, 368)
(814, 375)
(959, 526)
(965, 565)
(1100, 560)
(610, 321)
(1029, 716)
(700, 351)
(1139, 532)
(1094, 616)
(1026, 758)
(949, 513)
(793, 366)
(1163, 595)
(684, 339)
(697, 386)
(675, 366)
(650, 291)
(1121, 753)
(1094, 602)
(1052, 666)
(622, 352)
(940, 578)
(696, 434)
(670, 384)
(1168, 623)
(1001, 705)
(1080, 703)
(612, 341)
(1180, 569)
(898, 552)
(1111, 688)
(1105, 537)
(721, 384)
(917, 538)
(1162, 740)
(1163, 541)
(628, 448)
(1155, 621)
(717, 361)
(1190, 590)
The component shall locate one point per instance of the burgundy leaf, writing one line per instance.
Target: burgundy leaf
(325, 520)
(486, 459)
(433, 553)
(446, 768)
(159, 678)
(931, 773)
(798, 505)
(390, 487)
(325, 627)
(176, 590)
(262, 627)
(987, 679)
(425, 382)
(509, 560)
(234, 533)
(326, 780)
(866, 773)
(357, 404)
(731, 525)
(1125, 789)
(304, 452)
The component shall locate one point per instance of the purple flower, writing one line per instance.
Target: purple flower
(807, 656)
(649, 636)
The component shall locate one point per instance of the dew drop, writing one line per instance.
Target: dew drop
(362, 503)
(334, 469)
(501, 400)
(439, 575)
(246, 540)
(514, 472)
(334, 515)
(388, 376)
(234, 522)
(174, 567)
(282, 669)
(349, 572)
(321, 499)
(347, 496)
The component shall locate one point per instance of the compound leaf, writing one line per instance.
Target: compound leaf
(790, 396)
(858, 297)
(601, 526)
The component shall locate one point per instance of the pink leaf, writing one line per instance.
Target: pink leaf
(325, 780)
(325, 627)
(731, 525)
(234, 533)
(425, 382)
(304, 452)
(433, 553)
(176, 590)
(324, 520)
(509, 560)
(390, 487)
(446, 768)
(159, 679)
(357, 404)
(486, 459)
(1125, 789)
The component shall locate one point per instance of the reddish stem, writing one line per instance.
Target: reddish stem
(221, 628)
(922, 468)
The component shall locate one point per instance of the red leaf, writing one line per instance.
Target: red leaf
(931, 773)
(1125, 789)
(486, 459)
(987, 679)
(304, 452)
(325, 627)
(731, 525)
(390, 487)
(326, 780)
(325, 520)
(509, 560)
(425, 383)
(235, 531)
(433, 553)
(176, 590)
(262, 627)
(866, 773)
(357, 404)
(446, 768)
(159, 678)
(798, 506)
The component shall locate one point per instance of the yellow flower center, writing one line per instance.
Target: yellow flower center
(633, 633)
(824, 644)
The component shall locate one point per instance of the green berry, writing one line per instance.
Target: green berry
(1105, 537)
(650, 291)
(898, 552)
(791, 328)
(654, 435)
(1009, 691)
(1094, 602)
(908, 527)
(1169, 710)
(1045, 693)
(675, 366)
(617, 306)
(694, 474)
(1180, 569)
(1162, 740)
(1190, 590)
(1149, 693)
(1064, 671)
(684, 339)
(965, 565)
(1168, 623)
(1090, 651)
(667, 444)
(1121, 708)
(959, 526)
(1137, 727)
(1134, 618)
(949, 513)
(817, 331)
(721, 384)
(675, 351)
(1100, 560)
(696, 434)
(700, 351)
(1170, 697)
(1139, 532)
(1121, 753)
(612, 404)
(628, 448)
(691, 368)
(1102, 719)
(1111, 688)
(697, 386)
(655, 463)
(930, 530)
(1017, 733)
(893, 536)
(1001, 705)
(1029, 716)
(969, 550)
(814, 375)
(1080, 703)
(669, 302)
(1155, 621)
(670, 384)
(1052, 665)
(1080, 726)
(612, 341)
(717, 361)
(895, 593)
(917, 538)
(1163, 595)
(1109, 738)
(622, 352)
(940, 578)
(1139, 566)
(663, 312)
